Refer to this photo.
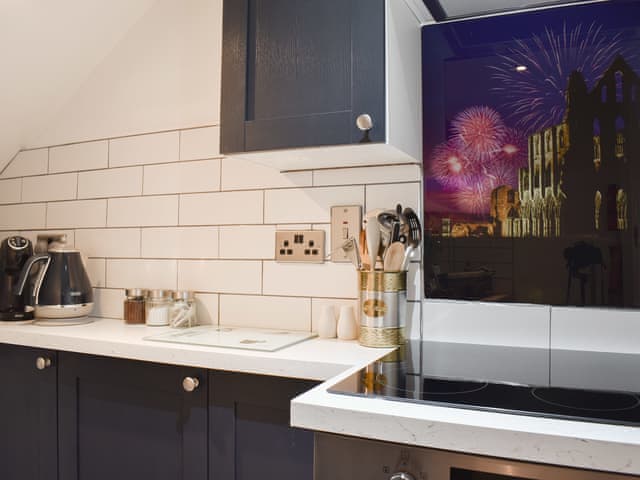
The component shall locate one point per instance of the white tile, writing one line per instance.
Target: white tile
(223, 208)
(143, 211)
(144, 149)
(33, 235)
(115, 242)
(220, 276)
(251, 242)
(265, 312)
(138, 273)
(183, 242)
(199, 143)
(77, 214)
(109, 303)
(96, 269)
(186, 177)
(318, 304)
(10, 190)
(239, 174)
(388, 196)
(312, 205)
(28, 162)
(365, 175)
(50, 187)
(79, 156)
(115, 182)
(310, 280)
(207, 308)
(25, 216)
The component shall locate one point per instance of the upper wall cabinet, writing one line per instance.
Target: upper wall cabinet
(299, 73)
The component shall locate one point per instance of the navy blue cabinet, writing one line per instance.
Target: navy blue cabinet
(28, 414)
(131, 420)
(297, 73)
(249, 429)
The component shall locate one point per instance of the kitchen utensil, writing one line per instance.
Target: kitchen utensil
(62, 288)
(327, 326)
(394, 257)
(347, 328)
(352, 252)
(373, 240)
(415, 235)
(14, 253)
(383, 308)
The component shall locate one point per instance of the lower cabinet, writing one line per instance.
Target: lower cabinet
(129, 420)
(250, 436)
(28, 414)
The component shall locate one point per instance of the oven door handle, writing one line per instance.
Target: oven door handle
(401, 476)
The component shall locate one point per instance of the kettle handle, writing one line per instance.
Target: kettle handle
(19, 288)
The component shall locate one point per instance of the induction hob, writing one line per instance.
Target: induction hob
(499, 379)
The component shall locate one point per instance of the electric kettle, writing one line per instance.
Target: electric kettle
(62, 288)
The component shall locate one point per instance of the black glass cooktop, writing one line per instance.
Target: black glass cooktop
(432, 373)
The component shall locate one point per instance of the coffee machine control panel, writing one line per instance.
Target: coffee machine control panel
(18, 243)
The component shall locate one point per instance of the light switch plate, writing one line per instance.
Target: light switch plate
(346, 222)
(300, 246)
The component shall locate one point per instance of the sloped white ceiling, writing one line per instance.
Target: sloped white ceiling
(47, 49)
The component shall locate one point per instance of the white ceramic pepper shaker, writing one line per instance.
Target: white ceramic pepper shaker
(347, 327)
(327, 324)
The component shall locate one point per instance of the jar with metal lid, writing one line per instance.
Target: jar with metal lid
(134, 305)
(158, 309)
(183, 313)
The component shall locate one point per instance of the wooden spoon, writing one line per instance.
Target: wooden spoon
(394, 257)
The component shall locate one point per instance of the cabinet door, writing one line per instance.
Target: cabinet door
(130, 420)
(297, 73)
(249, 430)
(28, 414)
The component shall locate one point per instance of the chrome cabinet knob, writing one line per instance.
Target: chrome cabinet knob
(401, 476)
(42, 363)
(190, 384)
(364, 122)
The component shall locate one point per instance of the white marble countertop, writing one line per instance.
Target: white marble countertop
(313, 359)
(586, 445)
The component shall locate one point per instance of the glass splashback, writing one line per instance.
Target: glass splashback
(532, 157)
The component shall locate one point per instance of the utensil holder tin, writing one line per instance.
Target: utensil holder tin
(383, 308)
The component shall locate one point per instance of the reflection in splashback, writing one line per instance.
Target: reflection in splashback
(532, 157)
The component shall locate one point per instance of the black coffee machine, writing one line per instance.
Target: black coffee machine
(14, 253)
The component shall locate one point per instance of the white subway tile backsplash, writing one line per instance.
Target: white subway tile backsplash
(115, 182)
(23, 216)
(96, 269)
(222, 208)
(109, 303)
(365, 175)
(133, 273)
(50, 187)
(28, 162)
(199, 143)
(207, 308)
(185, 177)
(239, 174)
(250, 242)
(310, 280)
(268, 312)
(220, 276)
(143, 211)
(77, 214)
(10, 190)
(318, 305)
(79, 156)
(114, 242)
(388, 196)
(144, 149)
(185, 242)
(311, 205)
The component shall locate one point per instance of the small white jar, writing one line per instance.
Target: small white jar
(158, 308)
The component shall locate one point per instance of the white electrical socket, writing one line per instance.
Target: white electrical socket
(346, 222)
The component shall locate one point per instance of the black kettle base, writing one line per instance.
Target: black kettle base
(17, 315)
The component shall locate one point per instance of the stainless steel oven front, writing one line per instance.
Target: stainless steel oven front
(349, 458)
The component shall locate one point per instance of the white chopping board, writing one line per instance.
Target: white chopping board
(264, 340)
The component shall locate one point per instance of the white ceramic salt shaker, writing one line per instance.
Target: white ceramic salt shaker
(347, 328)
(327, 324)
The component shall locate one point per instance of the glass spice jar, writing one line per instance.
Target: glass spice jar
(158, 309)
(183, 313)
(134, 306)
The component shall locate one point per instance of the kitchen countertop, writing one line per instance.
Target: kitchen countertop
(586, 445)
(314, 359)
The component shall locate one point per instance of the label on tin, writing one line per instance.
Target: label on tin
(374, 308)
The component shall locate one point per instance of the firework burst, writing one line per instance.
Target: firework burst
(478, 131)
(535, 95)
(474, 198)
(450, 166)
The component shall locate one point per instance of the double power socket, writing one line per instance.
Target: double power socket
(309, 245)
